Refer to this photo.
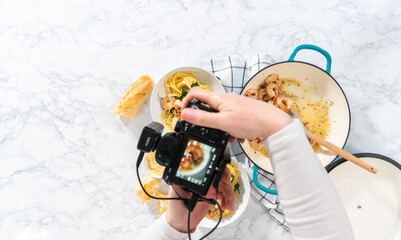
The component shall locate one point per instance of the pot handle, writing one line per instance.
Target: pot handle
(260, 186)
(316, 48)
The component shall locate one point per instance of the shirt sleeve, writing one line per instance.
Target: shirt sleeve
(311, 205)
(161, 230)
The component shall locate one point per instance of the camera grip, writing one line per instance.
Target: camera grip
(222, 167)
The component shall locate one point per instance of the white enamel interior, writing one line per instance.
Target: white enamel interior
(326, 88)
(372, 201)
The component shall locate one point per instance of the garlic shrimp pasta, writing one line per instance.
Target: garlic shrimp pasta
(177, 85)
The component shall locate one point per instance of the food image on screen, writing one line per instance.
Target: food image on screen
(193, 157)
(195, 162)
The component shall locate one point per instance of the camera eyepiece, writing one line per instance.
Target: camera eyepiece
(166, 151)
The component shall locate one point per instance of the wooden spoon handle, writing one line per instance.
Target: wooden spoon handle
(342, 153)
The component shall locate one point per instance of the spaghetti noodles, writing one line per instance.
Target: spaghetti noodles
(214, 211)
(177, 86)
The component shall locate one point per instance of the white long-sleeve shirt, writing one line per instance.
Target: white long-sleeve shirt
(311, 204)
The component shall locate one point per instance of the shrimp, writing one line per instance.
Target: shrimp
(272, 90)
(186, 164)
(256, 144)
(196, 152)
(168, 102)
(261, 94)
(284, 102)
(177, 104)
(214, 212)
(273, 78)
(252, 93)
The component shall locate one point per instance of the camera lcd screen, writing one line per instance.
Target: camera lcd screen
(196, 162)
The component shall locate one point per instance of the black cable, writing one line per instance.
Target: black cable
(213, 202)
(185, 200)
(172, 186)
(140, 182)
(188, 225)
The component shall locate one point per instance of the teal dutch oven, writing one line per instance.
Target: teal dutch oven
(326, 87)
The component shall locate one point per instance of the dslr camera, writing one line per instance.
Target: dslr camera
(195, 157)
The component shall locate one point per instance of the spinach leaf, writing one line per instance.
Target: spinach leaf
(184, 92)
(236, 188)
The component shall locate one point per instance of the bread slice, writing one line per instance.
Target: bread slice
(136, 96)
(162, 205)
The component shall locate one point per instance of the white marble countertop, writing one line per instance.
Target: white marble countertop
(67, 163)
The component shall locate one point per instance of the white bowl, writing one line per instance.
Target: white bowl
(240, 204)
(203, 77)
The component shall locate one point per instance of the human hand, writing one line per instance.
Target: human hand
(240, 116)
(177, 214)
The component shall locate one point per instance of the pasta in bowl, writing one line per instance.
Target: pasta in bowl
(240, 182)
(165, 101)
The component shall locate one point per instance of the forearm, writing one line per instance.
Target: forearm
(311, 204)
(161, 230)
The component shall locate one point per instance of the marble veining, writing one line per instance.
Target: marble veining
(67, 163)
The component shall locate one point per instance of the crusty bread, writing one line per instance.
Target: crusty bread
(136, 96)
(162, 205)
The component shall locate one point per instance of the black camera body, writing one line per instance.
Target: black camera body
(194, 156)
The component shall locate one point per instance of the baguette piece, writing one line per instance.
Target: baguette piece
(136, 96)
(162, 205)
